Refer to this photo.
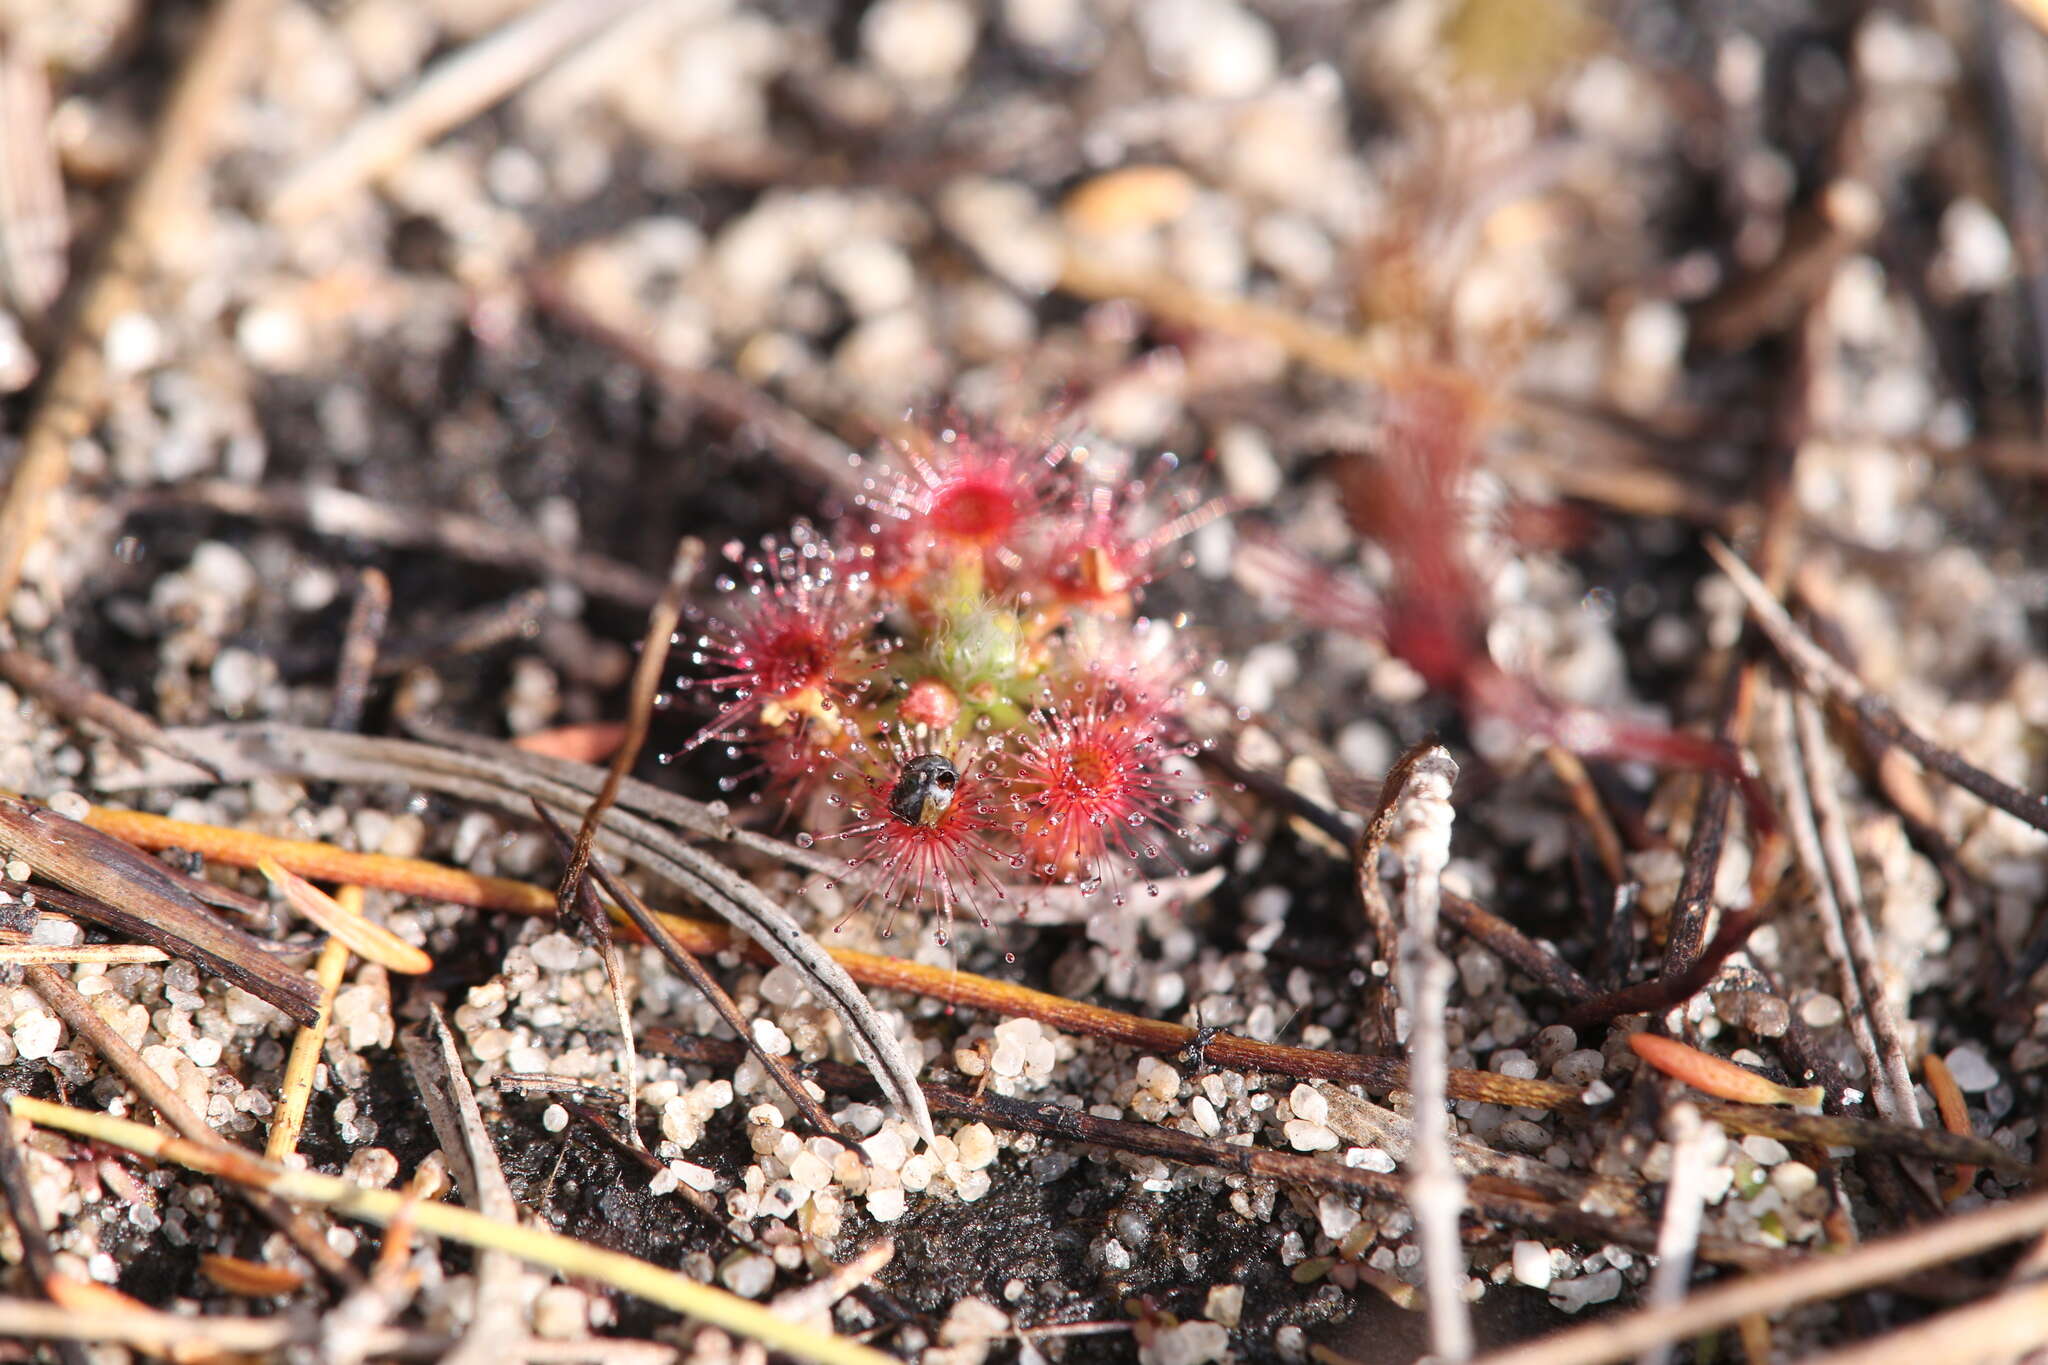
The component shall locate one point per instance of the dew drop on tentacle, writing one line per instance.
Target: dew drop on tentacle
(805, 839)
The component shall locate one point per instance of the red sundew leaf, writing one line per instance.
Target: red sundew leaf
(1108, 540)
(791, 646)
(927, 826)
(1143, 670)
(960, 495)
(1410, 497)
(1097, 788)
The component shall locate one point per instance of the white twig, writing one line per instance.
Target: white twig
(1819, 674)
(497, 1321)
(1893, 1078)
(456, 90)
(1695, 1146)
(816, 1299)
(1808, 1281)
(1804, 826)
(1436, 1192)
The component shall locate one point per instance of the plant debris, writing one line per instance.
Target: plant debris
(1218, 681)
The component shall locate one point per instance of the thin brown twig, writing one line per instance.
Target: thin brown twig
(337, 512)
(1467, 917)
(360, 640)
(1667, 992)
(1842, 217)
(110, 883)
(1372, 900)
(662, 619)
(1819, 673)
(1505, 1199)
(1693, 911)
(1691, 959)
(67, 696)
(1578, 784)
(57, 992)
(1372, 842)
(75, 393)
(1871, 1135)
(517, 616)
(37, 1253)
(802, 446)
(693, 970)
(573, 903)
(1812, 1279)
(1515, 948)
(418, 877)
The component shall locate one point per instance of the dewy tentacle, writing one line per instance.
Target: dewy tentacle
(262, 748)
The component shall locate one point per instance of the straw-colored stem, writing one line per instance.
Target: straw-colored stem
(533, 1245)
(297, 1088)
(100, 954)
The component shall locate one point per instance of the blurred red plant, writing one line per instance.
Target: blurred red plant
(1409, 496)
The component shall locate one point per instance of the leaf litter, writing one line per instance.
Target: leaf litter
(687, 279)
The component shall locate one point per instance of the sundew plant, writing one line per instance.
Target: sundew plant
(954, 686)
